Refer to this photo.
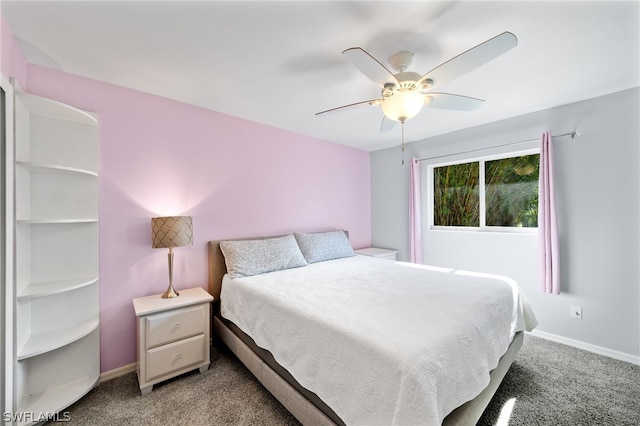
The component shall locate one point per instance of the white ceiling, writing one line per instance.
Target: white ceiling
(280, 62)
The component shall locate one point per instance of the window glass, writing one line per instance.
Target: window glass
(456, 195)
(511, 191)
(496, 192)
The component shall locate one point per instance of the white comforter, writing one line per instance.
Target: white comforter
(381, 342)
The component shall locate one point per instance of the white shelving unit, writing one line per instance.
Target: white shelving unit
(57, 313)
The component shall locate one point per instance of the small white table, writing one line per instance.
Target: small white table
(378, 252)
(172, 335)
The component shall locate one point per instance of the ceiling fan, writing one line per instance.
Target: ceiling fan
(404, 93)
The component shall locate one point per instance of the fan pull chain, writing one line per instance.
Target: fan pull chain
(402, 149)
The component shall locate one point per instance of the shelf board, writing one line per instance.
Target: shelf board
(57, 398)
(59, 221)
(40, 343)
(54, 287)
(45, 107)
(54, 167)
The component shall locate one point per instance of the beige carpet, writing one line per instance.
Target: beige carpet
(226, 394)
(549, 384)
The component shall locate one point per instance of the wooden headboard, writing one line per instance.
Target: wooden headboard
(217, 269)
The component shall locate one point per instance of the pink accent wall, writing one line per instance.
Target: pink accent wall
(235, 177)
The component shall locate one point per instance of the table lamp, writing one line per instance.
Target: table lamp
(169, 232)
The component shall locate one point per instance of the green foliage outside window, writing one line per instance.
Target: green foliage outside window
(456, 195)
(510, 190)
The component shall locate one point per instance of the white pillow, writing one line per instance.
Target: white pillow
(251, 257)
(320, 246)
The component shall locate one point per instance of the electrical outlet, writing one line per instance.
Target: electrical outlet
(576, 312)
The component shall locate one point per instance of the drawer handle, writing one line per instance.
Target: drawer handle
(178, 325)
(178, 356)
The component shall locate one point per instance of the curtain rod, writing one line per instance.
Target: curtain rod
(572, 134)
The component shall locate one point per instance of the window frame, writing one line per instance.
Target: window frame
(482, 192)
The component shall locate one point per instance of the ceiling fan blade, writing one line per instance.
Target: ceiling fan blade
(386, 124)
(344, 107)
(451, 101)
(471, 59)
(370, 66)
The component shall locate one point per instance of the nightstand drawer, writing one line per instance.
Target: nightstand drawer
(174, 356)
(172, 335)
(174, 325)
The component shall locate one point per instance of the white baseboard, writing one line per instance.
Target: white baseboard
(622, 356)
(117, 372)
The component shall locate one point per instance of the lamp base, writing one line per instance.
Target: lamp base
(170, 293)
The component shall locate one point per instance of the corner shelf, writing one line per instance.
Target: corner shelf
(56, 221)
(56, 296)
(37, 105)
(48, 394)
(41, 343)
(57, 398)
(35, 290)
(54, 168)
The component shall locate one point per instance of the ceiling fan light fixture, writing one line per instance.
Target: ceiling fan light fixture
(404, 93)
(427, 83)
(403, 105)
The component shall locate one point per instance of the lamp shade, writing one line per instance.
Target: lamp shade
(171, 231)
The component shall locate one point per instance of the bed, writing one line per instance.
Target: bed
(340, 338)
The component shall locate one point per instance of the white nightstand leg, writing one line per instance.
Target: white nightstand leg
(204, 368)
(147, 390)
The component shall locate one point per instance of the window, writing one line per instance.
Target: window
(456, 195)
(490, 192)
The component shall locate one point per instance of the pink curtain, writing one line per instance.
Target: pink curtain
(549, 271)
(415, 222)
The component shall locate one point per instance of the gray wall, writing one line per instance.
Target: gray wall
(598, 196)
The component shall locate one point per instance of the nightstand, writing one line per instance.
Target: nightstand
(172, 335)
(378, 252)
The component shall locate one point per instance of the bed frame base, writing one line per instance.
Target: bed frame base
(308, 414)
(301, 408)
(470, 412)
